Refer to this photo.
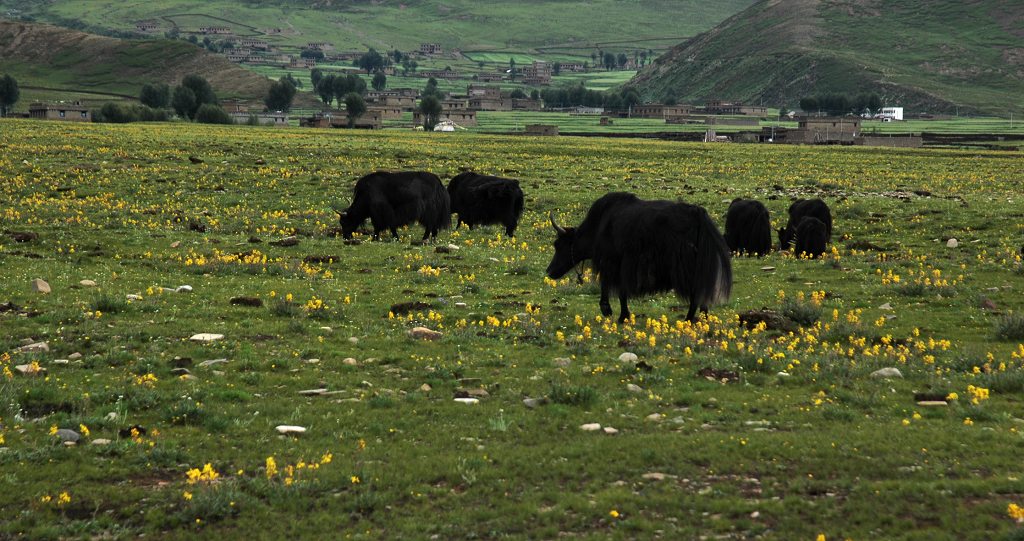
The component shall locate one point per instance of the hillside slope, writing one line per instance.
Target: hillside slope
(51, 57)
(404, 24)
(926, 55)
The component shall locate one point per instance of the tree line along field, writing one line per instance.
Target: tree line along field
(713, 429)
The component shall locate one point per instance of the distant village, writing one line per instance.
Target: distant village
(485, 93)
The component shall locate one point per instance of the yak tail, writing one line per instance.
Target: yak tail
(440, 206)
(712, 281)
(517, 205)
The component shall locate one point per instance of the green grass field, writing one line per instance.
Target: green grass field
(720, 430)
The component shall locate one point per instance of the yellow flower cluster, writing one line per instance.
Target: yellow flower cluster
(205, 475)
(977, 394)
(147, 380)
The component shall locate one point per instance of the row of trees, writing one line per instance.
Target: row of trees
(611, 61)
(579, 95)
(840, 104)
(337, 87)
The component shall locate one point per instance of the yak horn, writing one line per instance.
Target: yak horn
(558, 228)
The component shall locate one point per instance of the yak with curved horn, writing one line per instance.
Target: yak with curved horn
(642, 247)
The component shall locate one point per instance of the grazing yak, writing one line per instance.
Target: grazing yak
(811, 237)
(481, 199)
(815, 208)
(641, 247)
(392, 200)
(748, 227)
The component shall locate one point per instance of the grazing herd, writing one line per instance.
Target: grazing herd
(636, 247)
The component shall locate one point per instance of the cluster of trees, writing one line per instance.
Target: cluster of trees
(194, 99)
(281, 94)
(336, 87)
(9, 94)
(609, 60)
(841, 104)
(579, 95)
(430, 104)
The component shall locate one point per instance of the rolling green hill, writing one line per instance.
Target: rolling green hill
(56, 63)
(573, 26)
(926, 55)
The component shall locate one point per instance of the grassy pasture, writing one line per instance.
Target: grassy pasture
(748, 453)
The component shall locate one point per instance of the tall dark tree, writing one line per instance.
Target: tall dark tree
(371, 61)
(556, 68)
(291, 79)
(201, 88)
(517, 93)
(430, 108)
(325, 89)
(609, 61)
(380, 81)
(312, 53)
(512, 68)
(534, 94)
(355, 106)
(431, 89)
(280, 95)
(315, 75)
(156, 95)
(621, 60)
(809, 104)
(9, 94)
(184, 102)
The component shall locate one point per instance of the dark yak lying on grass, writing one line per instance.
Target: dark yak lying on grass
(641, 247)
(815, 208)
(393, 200)
(748, 227)
(482, 199)
(811, 237)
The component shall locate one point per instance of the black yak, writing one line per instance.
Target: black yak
(815, 208)
(482, 199)
(392, 200)
(748, 227)
(641, 247)
(811, 237)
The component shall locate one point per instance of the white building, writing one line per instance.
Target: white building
(892, 113)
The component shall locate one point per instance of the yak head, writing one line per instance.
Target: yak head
(565, 257)
(348, 222)
(785, 238)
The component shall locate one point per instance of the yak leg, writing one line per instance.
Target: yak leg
(623, 309)
(691, 314)
(606, 307)
(394, 233)
(510, 230)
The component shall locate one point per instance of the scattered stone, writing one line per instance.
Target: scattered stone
(885, 306)
(426, 388)
(254, 302)
(533, 403)
(100, 441)
(768, 269)
(290, 429)
(757, 423)
(460, 305)
(423, 333)
(952, 243)
(755, 514)
(353, 340)
(590, 427)
(468, 401)
(562, 362)
(74, 356)
(887, 372)
(66, 435)
(286, 242)
(657, 417)
(987, 304)
(87, 283)
(70, 443)
(133, 297)
(633, 388)
(40, 286)
(783, 374)
(206, 337)
(37, 347)
(175, 244)
(313, 392)
(628, 357)
(932, 403)
(610, 431)
(717, 374)
(472, 393)
(61, 361)
(183, 289)
(349, 361)
(29, 369)
(657, 476)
